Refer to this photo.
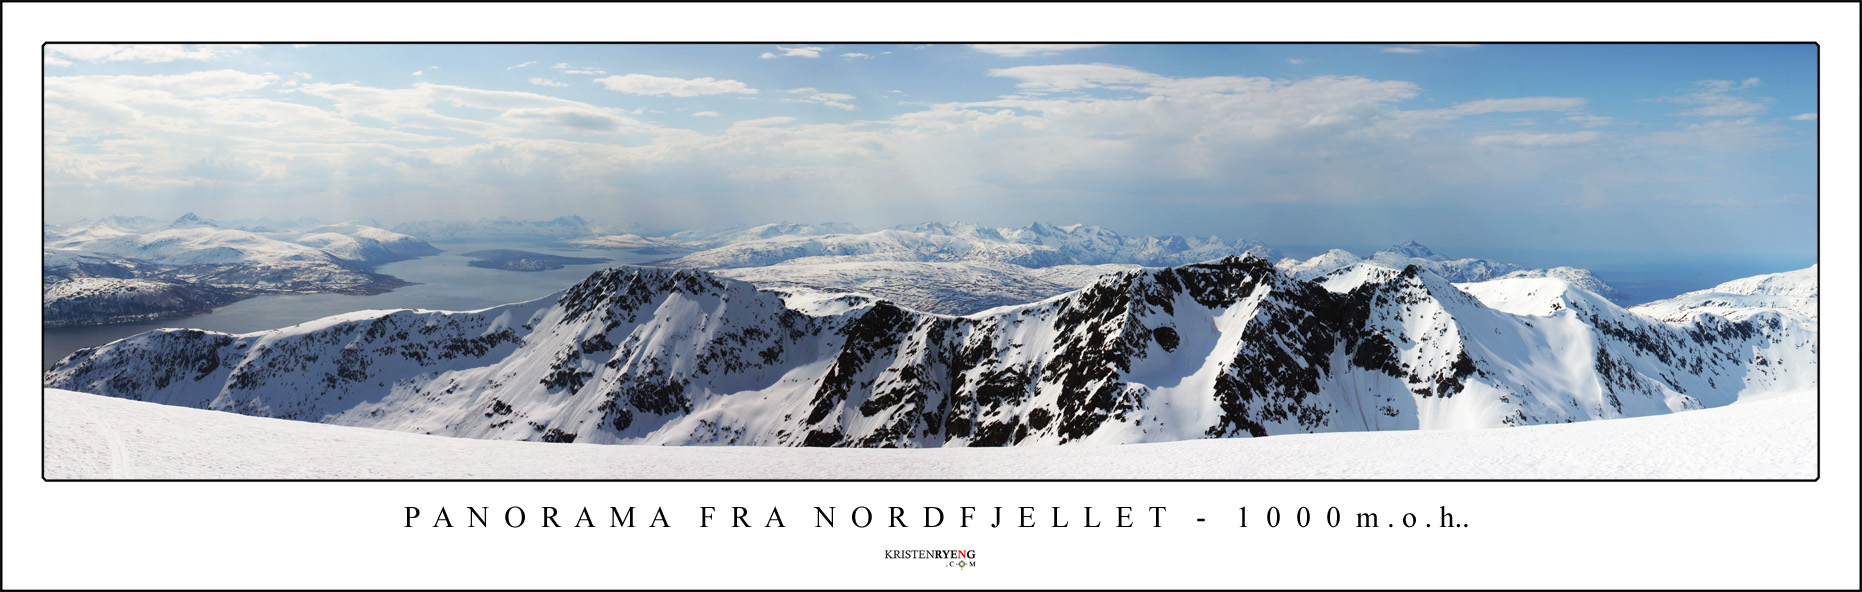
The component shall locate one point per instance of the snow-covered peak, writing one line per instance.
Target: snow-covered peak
(1794, 291)
(1413, 249)
(1581, 278)
(1800, 283)
(1349, 277)
(1323, 264)
(1536, 296)
(189, 220)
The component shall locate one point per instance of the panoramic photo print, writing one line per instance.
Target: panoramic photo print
(821, 261)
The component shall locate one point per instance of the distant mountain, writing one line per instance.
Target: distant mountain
(1409, 253)
(953, 288)
(514, 260)
(1093, 245)
(717, 237)
(192, 264)
(366, 245)
(1231, 348)
(884, 245)
(1794, 291)
(99, 300)
(500, 229)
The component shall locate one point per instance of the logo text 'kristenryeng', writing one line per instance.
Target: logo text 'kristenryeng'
(958, 558)
(930, 554)
(772, 517)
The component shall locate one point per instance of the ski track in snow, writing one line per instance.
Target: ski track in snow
(90, 436)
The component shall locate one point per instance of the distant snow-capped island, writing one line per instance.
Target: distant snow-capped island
(514, 260)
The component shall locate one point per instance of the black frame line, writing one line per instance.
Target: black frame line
(1815, 229)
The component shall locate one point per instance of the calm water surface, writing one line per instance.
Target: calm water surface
(442, 282)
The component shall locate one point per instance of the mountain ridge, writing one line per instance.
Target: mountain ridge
(1229, 348)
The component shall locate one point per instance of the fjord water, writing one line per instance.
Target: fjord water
(441, 282)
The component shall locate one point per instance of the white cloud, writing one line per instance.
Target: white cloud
(1410, 121)
(571, 69)
(1401, 50)
(418, 72)
(1590, 120)
(1452, 44)
(51, 60)
(302, 45)
(767, 56)
(763, 122)
(1296, 61)
(521, 65)
(1228, 139)
(1720, 135)
(1804, 117)
(1075, 76)
(192, 84)
(800, 52)
(568, 117)
(813, 96)
(1713, 98)
(1530, 139)
(1518, 104)
(547, 82)
(1017, 50)
(855, 55)
(152, 53)
(642, 84)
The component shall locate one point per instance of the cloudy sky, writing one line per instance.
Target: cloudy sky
(1673, 148)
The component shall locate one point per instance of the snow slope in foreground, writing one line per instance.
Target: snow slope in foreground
(97, 437)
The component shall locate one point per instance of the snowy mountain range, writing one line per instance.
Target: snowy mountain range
(1037, 245)
(1229, 348)
(1794, 291)
(192, 264)
(503, 229)
(1456, 270)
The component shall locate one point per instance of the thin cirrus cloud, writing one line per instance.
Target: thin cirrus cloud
(1418, 47)
(1530, 139)
(1074, 76)
(525, 64)
(1804, 117)
(811, 95)
(794, 52)
(147, 53)
(643, 84)
(1590, 120)
(764, 121)
(1717, 98)
(583, 70)
(1018, 50)
(547, 82)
